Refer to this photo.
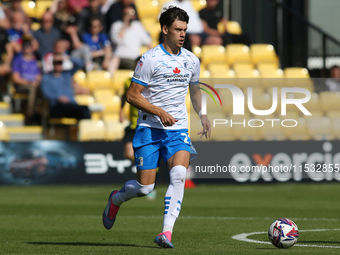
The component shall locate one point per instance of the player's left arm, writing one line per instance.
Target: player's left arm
(196, 100)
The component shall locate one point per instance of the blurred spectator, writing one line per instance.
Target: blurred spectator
(46, 35)
(99, 43)
(59, 48)
(128, 36)
(61, 13)
(57, 89)
(211, 15)
(105, 6)
(26, 75)
(333, 83)
(6, 56)
(18, 29)
(76, 48)
(116, 10)
(88, 13)
(77, 6)
(15, 5)
(4, 22)
(195, 31)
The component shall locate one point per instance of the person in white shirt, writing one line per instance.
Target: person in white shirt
(128, 36)
(158, 89)
(196, 33)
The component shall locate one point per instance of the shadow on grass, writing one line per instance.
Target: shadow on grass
(92, 244)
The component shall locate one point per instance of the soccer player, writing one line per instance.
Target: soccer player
(158, 89)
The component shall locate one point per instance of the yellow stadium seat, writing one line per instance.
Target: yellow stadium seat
(268, 68)
(152, 27)
(204, 73)
(220, 70)
(233, 27)
(29, 7)
(25, 133)
(296, 72)
(336, 127)
(4, 136)
(198, 4)
(99, 79)
(4, 108)
(213, 53)
(320, 128)
(147, 8)
(115, 130)
(41, 7)
(14, 119)
(246, 133)
(106, 97)
(80, 78)
(119, 78)
(299, 132)
(237, 53)
(143, 49)
(248, 78)
(197, 51)
(273, 131)
(263, 53)
(330, 100)
(91, 130)
(333, 114)
(84, 99)
(243, 67)
(111, 117)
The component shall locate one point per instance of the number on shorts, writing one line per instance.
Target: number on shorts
(186, 137)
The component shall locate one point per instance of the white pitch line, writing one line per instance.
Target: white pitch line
(244, 237)
(161, 217)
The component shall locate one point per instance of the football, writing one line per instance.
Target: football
(283, 233)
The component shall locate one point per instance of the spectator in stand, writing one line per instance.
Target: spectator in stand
(105, 5)
(128, 36)
(57, 89)
(99, 43)
(46, 35)
(4, 22)
(195, 31)
(6, 56)
(19, 29)
(26, 75)
(211, 15)
(88, 13)
(115, 12)
(76, 47)
(15, 5)
(59, 48)
(333, 83)
(61, 13)
(77, 6)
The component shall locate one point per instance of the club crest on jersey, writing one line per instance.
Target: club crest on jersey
(139, 66)
(185, 64)
(176, 70)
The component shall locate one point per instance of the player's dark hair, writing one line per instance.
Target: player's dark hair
(170, 14)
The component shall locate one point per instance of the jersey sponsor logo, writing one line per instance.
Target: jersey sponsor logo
(139, 66)
(185, 64)
(176, 70)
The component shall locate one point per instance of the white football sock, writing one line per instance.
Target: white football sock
(173, 197)
(130, 190)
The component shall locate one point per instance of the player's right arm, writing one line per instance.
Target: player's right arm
(135, 98)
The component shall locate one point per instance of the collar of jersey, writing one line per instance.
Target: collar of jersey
(162, 47)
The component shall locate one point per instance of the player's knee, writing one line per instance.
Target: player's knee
(144, 190)
(177, 175)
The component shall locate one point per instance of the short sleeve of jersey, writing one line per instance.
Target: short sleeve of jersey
(196, 75)
(144, 70)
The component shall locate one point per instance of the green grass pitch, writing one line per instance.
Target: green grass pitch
(67, 219)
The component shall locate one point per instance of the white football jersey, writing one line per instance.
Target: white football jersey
(166, 78)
